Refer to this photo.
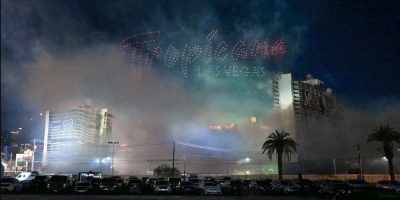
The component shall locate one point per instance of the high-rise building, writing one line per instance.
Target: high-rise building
(299, 101)
(82, 126)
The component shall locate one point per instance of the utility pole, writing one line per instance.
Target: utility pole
(173, 159)
(33, 155)
(359, 160)
(334, 166)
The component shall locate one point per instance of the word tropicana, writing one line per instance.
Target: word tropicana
(216, 58)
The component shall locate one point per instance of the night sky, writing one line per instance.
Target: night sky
(58, 54)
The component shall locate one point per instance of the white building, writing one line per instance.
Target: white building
(82, 126)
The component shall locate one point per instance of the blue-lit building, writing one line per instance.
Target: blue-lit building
(75, 136)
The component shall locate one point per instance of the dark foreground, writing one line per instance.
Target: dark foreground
(145, 197)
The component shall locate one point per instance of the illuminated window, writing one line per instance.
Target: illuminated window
(253, 119)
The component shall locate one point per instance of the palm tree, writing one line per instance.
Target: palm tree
(387, 135)
(281, 143)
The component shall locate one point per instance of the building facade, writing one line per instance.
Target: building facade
(78, 132)
(301, 101)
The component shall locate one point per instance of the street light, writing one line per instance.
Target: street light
(112, 162)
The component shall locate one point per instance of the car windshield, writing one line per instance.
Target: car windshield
(8, 180)
(161, 183)
(96, 180)
(187, 183)
(210, 184)
(263, 182)
(83, 184)
(305, 182)
(236, 183)
(58, 179)
(134, 182)
(356, 181)
(286, 183)
(340, 186)
(108, 180)
(40, 178)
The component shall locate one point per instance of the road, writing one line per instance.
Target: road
(144, 197)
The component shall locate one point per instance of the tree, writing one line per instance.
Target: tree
(387, 135)
(281, 143)
(165, 171)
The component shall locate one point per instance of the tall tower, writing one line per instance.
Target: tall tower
(284, 97)
(299, 102)
(75, 133)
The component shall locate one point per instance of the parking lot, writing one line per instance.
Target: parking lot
(144, 197)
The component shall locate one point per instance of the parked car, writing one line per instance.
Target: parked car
(210, 188)
(95, 184)
(59, 183)
(390, 185)
(83, 187)
(233, 187)
(109, 185)
(134, 186)
(357, 183)
(173, 182)
(39, 183)
(161, 186)
(285, 186)
(305, 185)
(26, 176)
(10, 185)
(335, 188)
(187, 187)
(264, 186)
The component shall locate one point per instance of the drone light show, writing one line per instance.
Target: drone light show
(214, 58)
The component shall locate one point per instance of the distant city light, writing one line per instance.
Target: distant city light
(244, 160)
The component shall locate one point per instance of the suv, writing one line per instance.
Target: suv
(187, 187)
(285, 186)
(134, 186)
(233, 187)
(356, 183)
(39, 183)
(10, 185)
(59, 183)
(110, 185)
(264, 186)
(161, 186)
(210, 188)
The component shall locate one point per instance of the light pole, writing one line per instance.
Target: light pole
(112, 161)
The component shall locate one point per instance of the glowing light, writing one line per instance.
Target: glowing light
(214, 57)
(244, 160)
(229, 126)
(215, 127)
(253, 119)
